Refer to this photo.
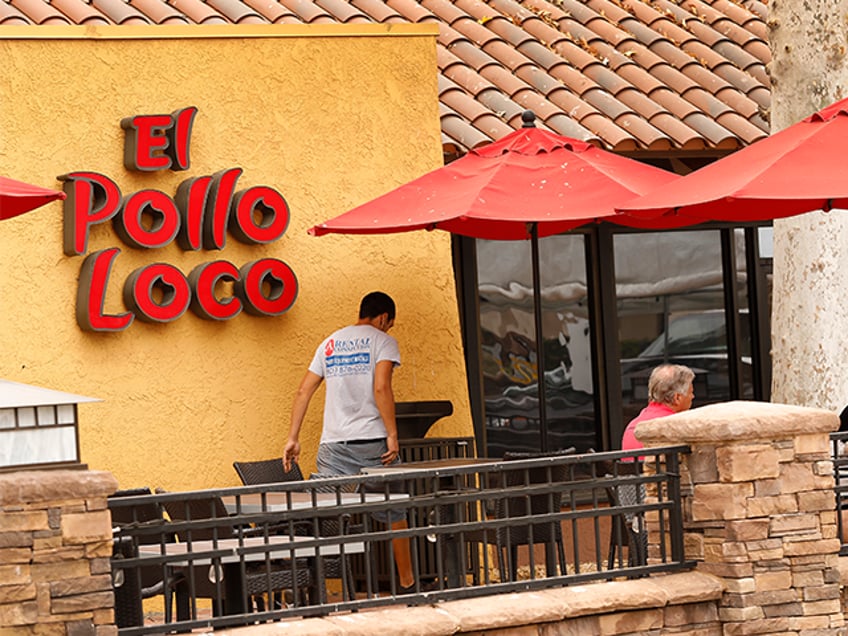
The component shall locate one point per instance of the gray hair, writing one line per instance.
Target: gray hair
(667, 380)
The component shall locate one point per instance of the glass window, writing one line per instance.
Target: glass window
(670, 303)
(510, 351)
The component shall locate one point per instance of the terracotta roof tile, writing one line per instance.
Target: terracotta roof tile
(40, 12)
(237, 11)
(274, 11)
(653, 75)
(199, 11)
(11, 15)
(160, 12)
(119, 12)
(80, 12)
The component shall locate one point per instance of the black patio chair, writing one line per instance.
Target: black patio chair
(272, 471)
(266, 471)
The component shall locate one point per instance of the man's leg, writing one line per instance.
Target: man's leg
(403, 556)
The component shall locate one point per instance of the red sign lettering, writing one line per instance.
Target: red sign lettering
(204, 280)
(157, 293)
(91, 198)
(268, 287)
(91, 294)
(163, 214)
(158, 142)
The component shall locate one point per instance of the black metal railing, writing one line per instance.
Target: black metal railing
(242, 555)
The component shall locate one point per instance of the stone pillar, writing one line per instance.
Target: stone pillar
(759, 512)
(55, 549)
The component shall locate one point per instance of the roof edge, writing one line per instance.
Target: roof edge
(213, 31)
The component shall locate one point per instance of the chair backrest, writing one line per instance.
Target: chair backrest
(197, 510)
(136, 514)
(266, 471)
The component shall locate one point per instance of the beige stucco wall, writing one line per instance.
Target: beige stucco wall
(330, 116)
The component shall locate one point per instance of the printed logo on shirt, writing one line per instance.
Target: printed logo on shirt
(347, 357)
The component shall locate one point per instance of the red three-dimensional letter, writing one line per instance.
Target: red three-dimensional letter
(91, 198)
(91, 294)
(158, 142)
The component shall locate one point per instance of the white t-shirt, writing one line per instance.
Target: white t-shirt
(347, 360)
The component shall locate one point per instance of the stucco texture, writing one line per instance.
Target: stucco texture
(328, 116)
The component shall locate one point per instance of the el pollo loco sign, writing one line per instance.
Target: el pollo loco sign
(199, 216)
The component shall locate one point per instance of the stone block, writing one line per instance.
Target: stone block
(87, 527)
(770, 626)
(822, 607)
(775, 597)
(50, 541)
(821, 501)
(632, 622)
(783, 609)
(812, 578)
(822, 546)
(98, 549)
(738, 614)
(747, 462)
(415, 621)
(769, 581)
(83, 585)
(768, 506)
(46, 572)
(799, 477)
(15, 539)
(767, 488)
(701, 465)
(25, 613)
(690, 614)
(58, 555)
(727, 570)
(795, 523)
(740, 586)
(82, 602)
(513, 609)
(748, 530)
(16, 593)
(16, 574)
(821, 592)
(571, 627)
(814, 444)
(23, 521)
(721, 501)
(80, 628)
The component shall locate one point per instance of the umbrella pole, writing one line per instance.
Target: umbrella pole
(540, 342)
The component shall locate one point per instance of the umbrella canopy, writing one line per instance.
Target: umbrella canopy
(796, 170)
(529, 180)
(17, 197)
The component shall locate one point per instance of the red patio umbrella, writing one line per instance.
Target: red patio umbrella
(17, 197)
(796, 170)
(529, 179)
(529, 184)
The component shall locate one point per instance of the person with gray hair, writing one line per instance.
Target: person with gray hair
(670, 391)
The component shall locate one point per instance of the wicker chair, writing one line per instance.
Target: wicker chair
(635, 534)
(266, 471)
(272, 471)
(282, 575)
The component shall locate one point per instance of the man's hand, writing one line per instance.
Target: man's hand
(292, 452)
(391, 455)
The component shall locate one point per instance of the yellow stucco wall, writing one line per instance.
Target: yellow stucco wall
(330, 116)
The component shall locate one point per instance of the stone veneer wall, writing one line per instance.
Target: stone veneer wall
(760, 512)
(55, 546)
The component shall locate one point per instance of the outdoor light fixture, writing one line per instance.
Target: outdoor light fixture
(38, 427)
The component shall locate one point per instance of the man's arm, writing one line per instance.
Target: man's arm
(385, 399)
(308, 385)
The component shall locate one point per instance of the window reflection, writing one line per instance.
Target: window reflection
(671, 309)
(510, 352)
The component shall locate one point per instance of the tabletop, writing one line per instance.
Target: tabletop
(431, 464)
(280, 501)
(231, 550)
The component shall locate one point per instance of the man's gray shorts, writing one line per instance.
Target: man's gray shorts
(349, 458)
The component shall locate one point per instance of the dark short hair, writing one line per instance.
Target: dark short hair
(375, 304)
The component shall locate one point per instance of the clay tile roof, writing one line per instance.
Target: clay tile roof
(627, 75)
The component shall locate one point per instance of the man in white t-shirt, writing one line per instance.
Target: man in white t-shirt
(356, 363)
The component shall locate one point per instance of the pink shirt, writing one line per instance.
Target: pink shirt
(650, 412)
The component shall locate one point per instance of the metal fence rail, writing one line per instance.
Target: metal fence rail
(243, 555)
